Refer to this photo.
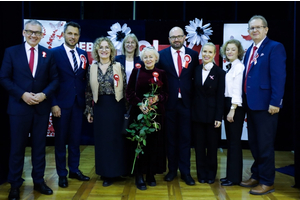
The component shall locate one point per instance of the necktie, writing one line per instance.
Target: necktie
(248, 69)
(228, 67)
(74, 60)
(179, 63)
(31, 60)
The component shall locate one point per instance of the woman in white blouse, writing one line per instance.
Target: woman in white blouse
(130, 57)
(234, 113)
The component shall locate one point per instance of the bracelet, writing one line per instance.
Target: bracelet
(232, 107)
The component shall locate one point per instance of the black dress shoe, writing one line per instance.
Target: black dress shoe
(188, 179)
(227, 183)
(78, 175)
(210, 181)
(63, 181)
(170, 176)
(150, 179)
(42, 188)
(223, 179)
(107, 181)
(14, 194)
(202, 180)
(140, 183)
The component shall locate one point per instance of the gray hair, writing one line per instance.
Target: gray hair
(34, 22)
(265, 23)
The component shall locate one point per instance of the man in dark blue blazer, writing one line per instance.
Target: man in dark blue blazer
(30, 76)
(69, 103)
(178, 113)
(263, 88)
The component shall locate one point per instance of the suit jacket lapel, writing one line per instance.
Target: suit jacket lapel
(170, 58)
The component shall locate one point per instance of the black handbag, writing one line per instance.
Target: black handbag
(126, 121)
(127, 114)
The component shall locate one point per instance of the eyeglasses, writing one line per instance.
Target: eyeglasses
(179, 37)
(104, 48)
(256, 28)
(30, 32)
(130, 43)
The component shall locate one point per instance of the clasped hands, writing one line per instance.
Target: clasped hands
(32, 98)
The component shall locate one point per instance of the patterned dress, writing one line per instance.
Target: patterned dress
(110, 145)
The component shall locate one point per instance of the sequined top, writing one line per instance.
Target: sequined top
(106, 86)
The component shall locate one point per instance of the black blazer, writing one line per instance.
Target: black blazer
(184, 82)
(208, 99)
(122, 59)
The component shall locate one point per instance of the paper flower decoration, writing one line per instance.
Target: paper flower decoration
(117, 34)
(198, 34)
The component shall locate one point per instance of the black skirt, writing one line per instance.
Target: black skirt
(111, 151)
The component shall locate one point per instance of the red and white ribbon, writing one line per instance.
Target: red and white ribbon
(116, 77)
(84, 61)
(187, 59)
(156, 75)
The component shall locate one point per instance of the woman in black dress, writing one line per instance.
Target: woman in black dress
(105, 107)
(153, 161)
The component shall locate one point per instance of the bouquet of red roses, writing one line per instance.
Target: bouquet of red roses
(145, 122)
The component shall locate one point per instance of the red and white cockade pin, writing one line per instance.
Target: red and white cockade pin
(187, 59)
(138, 65)
(156, 75)
(44, 54)
(84, 61)
(116, 77)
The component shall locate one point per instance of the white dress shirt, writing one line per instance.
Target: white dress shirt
(70, 56)
(258, 45)
(36, 55)
(175, 57)
(234, 82)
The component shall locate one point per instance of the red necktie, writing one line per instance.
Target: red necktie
(179, 63)
(248, 69)
(31, 61)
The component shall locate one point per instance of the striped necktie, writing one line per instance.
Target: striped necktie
(75, 61)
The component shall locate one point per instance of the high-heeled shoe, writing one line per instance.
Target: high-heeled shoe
(107, 181)
(140, 183)
(150, 179)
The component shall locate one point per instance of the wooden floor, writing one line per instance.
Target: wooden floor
(176, 190)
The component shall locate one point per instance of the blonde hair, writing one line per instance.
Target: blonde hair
(137, 49)
(150, 49)
(96, 47)
(212, 45)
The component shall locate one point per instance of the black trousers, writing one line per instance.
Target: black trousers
(234, 168)
(206, 138)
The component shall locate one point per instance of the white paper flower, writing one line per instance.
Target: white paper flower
(198, 34)
(117, 34)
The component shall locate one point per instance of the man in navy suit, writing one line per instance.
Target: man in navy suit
(69, 103)
(29, 75)
(178, 113)
(263, 90)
